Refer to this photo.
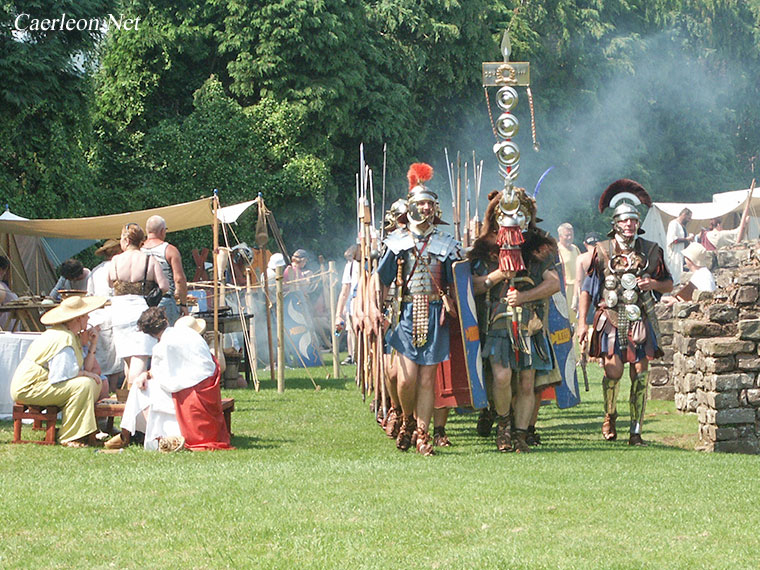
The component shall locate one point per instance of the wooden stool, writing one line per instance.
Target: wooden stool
(40, 414)
(109, 410)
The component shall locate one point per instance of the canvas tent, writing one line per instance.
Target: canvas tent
(728, 206)
(34, 259)
(38, 258)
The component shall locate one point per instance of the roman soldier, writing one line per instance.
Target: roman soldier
(419, 258)
(627, 275)
(514, 275)
(391, 308)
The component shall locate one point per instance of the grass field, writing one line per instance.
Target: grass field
(314, 483)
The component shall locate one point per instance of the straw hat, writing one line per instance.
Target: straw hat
(71, 308)
(189, 321)
(109, 244)
(697, 254)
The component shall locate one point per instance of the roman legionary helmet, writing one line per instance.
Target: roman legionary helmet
(397, 209)
(624, 195)
(418, 174)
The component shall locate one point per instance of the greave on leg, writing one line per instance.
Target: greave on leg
(638, 400)
(610, 389)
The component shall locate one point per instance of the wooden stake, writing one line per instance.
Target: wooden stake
(333, 309)
(265, 279)
(280, 334)
(745, 213)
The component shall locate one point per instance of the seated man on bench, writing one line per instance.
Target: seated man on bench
(177, 403)
(54, 371)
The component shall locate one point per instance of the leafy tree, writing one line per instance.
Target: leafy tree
(250, 95)
(389, 71)
(45, 95)
(240, 152)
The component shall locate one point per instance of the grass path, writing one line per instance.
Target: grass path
(314, 483)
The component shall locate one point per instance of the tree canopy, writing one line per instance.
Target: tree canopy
(249, 96)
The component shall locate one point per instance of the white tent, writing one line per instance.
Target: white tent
(728, 206)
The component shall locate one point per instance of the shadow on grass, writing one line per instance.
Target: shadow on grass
(252, 442)
(575, 435)
(304, 383)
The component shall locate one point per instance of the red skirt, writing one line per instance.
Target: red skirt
(200, 417)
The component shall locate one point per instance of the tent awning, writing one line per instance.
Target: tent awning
(178, 217)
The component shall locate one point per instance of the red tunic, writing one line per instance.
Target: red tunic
(200, 417)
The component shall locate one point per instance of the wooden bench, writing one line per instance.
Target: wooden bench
(228, 406)
(47, 415)
(109, 410)
(41, 415)
(112, 410)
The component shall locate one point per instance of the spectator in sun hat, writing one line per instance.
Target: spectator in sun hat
(698, 261)
(55, 372)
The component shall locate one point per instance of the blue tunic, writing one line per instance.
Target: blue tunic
(436, 349)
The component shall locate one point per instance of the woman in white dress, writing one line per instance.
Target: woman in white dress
(132, 275)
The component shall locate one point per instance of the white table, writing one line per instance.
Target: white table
(12, 349)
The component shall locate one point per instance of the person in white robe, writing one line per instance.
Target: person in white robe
(677, 239)
(181, 359)
(110, 365)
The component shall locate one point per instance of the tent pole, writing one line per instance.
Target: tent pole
(216, 283)
(262, 238)
(745, 213)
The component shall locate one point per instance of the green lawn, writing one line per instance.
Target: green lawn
(314, 483)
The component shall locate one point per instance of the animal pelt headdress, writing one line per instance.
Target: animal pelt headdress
(537, 245)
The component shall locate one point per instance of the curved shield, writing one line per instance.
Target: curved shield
(561, 336)
(459, 381)
(300, 337)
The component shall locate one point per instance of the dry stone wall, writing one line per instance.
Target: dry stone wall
(716, 355)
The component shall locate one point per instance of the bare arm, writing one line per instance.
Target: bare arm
(649, 284)
(112, 270)
(479, 285)
(342, 298)
(158, 274)
(376, 310)
(548, 287)
(180, 281)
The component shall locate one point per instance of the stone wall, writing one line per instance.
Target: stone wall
(716, 356)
